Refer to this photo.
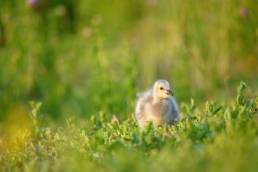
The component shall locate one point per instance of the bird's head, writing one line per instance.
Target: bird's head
(161, 89)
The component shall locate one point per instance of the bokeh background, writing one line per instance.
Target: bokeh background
(81, 57)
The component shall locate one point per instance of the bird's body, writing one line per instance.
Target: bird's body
(156, 105)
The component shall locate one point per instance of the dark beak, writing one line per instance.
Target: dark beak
(169, 92)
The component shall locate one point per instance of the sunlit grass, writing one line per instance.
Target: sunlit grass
(85, 61)
(216, 137)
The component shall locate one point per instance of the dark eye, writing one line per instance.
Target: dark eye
(161, 88)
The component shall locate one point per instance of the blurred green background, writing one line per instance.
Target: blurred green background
(85, 56)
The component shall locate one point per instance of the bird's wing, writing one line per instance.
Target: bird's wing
(143, 99)
(173, 109)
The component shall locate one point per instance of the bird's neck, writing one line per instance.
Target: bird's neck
(156, 100)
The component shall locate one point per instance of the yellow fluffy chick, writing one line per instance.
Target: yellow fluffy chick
(156, 105)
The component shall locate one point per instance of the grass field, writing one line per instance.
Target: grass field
(70, 72)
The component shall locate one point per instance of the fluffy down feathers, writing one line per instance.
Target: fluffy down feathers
(156, 105)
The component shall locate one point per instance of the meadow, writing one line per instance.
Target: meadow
(70, 72)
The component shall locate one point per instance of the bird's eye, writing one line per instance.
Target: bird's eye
(161, 88)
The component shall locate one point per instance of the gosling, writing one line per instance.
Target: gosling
(156, 105)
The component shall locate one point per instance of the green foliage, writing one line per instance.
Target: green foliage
(34, 115)
(85, 60)
(219, 138)
(82, 57)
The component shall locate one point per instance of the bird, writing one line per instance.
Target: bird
(156, 105)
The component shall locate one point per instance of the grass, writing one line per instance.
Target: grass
(216, 137)
(203, 53)
(68, 67)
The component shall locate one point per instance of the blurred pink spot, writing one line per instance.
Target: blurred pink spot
(243, 11)
(32, 3)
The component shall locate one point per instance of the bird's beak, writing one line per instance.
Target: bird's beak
(169, 92)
